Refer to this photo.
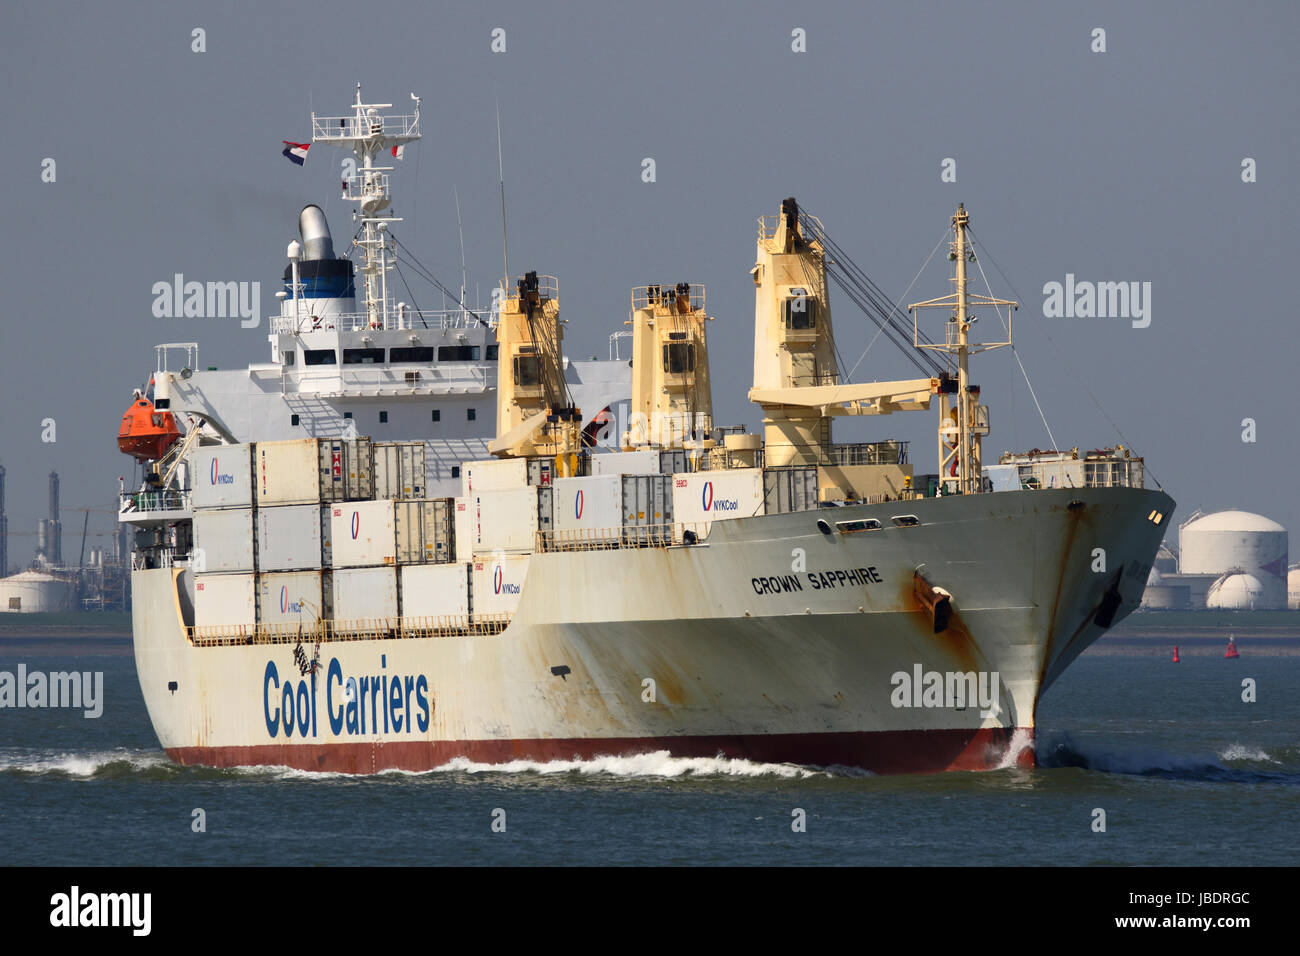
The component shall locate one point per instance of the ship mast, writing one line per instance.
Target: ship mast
(963, 421)
(370, 134)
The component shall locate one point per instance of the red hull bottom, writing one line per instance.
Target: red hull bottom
(904, 751)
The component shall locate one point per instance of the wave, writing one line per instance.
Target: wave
(124, 763)
(1236, 763)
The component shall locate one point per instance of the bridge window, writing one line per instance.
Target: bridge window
(347, 415)
(415, 353)
(319, 357)
(457, 353)
(800, 313)
(363, 356)
(455, 471)
(492, 352)
(679, 357)
(437, 415)
(470, 414)
(293, 419)
(528, 370)
(383, 418)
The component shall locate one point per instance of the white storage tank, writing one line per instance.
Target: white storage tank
(1235, 592)
(33, 591)
(1238, 541)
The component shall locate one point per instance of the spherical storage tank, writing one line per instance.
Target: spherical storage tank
(1238, 541)
(1235, 592)
(1293, 587)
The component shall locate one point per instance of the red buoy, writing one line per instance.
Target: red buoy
(1232, 648)
(1175, 653)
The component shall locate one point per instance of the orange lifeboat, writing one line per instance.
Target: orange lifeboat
(146, 433)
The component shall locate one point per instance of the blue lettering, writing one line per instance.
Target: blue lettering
(334, 673)
(304, 710)
(395, 703)
(422, 718)
(272, 721)
(287, 709)
(352, 713)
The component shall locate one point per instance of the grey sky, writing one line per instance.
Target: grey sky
(1123, 165)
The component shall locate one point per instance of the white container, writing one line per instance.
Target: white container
(291, 597)
(463, 512)
(223, 541)
(647, 500)
(583, 504)
(287, 472)
(789, 489)
(221, 476)
(496, 474)
(707, 496)
(497, 583)
(498, 521)
(346, 469)
(288, 538)
(626, 463)
(365, 594)
(363, 534)
(434, 590)
(399, 469)
(424, 531)
(224, 600)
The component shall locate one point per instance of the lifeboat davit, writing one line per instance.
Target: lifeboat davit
(146, 433)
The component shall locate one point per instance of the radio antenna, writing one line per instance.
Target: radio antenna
(505, 248)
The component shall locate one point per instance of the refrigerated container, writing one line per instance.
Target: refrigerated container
(363, 534)
(434, 590)
(288, 538)
(626, 463)
(711, 495)
(789, 489)
(496, 474)
(425, 531)
(310, 471)
(647, 502)
(346, 469)
(223, 540)
(291, 597)
(221, 476)
(399, 469)
(583, 504)
(225, 600)
(498, 521)
(364, 594)
(497, 583)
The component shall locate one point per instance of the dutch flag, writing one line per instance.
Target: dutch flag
(295, 152)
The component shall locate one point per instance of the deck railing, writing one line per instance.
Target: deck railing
(360, 629)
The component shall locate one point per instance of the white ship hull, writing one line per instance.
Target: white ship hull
(771, 641)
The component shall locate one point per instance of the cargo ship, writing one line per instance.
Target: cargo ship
(415, 537)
